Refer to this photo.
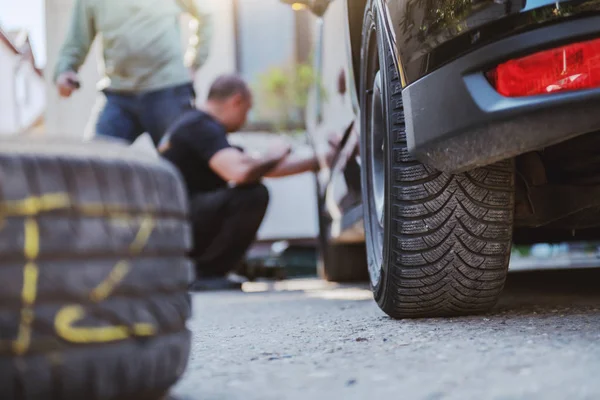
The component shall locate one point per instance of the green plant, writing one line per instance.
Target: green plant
(282, 94)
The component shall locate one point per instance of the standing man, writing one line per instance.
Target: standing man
(227, 199)
(148, 81)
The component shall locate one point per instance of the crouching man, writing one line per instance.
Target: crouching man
(227, 199)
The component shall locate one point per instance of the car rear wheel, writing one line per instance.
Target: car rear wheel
(339, 262)
(343, 263)
(437, 244)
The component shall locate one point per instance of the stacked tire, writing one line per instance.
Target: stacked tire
(93, 272)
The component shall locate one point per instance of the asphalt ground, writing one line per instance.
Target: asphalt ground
(307, 339)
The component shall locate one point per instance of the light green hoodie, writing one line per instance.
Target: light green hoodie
(141, 41)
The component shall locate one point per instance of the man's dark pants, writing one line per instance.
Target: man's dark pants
(225, 223)
(128, 115)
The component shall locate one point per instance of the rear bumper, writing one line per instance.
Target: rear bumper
(456, 121)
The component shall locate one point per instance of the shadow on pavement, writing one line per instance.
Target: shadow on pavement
(550, 289)
(567, 281)
(532, 291)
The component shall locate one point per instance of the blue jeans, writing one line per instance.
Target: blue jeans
(126, 116)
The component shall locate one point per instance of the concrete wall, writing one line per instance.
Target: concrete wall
(30, 96)
(67, 116)
(7, 103)
(22, 98)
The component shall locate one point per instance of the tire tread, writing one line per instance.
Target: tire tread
(451, 234)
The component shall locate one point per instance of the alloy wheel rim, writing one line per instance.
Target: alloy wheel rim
(376, 131)
(377, 147)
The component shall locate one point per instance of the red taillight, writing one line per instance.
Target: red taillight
(572, 67)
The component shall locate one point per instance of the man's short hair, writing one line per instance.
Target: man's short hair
(226, 86)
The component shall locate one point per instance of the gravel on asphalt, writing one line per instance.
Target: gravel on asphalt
(308, 339)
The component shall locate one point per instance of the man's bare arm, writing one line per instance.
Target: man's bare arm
(298, 164)
(234, 166)
(78, 40)
(292, 165)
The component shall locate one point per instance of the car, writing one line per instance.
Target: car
(467, 125)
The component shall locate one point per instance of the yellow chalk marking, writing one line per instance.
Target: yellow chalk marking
(68, 316)
(30, 279)
(104, 210)
(21, 345)
(32, 239)
(120, 271)
(34, 205)
(29, 292)
(143, 235)
(106, 287)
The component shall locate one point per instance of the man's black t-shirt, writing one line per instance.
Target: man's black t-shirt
(193, 141)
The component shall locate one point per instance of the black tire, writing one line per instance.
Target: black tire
(93, 273)
(343, 263)
(443, 244)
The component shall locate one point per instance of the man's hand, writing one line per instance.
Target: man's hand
(67, 83)
(333, 141)
(279, 150)
(233, 165)
(330, 156)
